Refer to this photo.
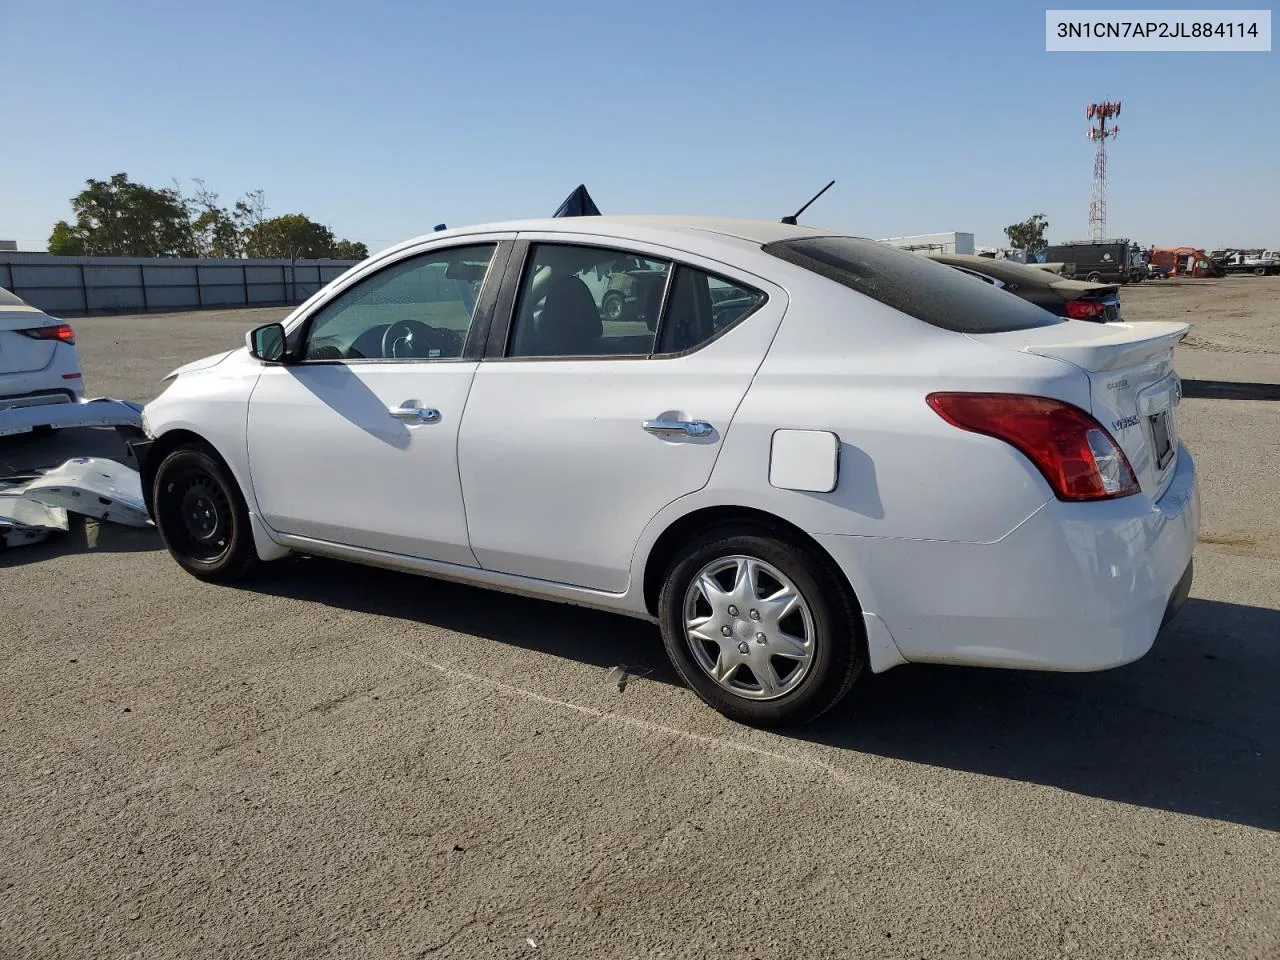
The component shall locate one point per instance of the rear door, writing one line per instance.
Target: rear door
(580, 428)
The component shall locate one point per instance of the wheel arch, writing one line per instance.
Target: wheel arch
(170, 440)
(681, 530)
(163, 445)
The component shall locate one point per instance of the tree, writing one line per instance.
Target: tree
(349, 250)
(120, 218)
(1028, 235)
(66, 240)
(214, 229)
(292, 235)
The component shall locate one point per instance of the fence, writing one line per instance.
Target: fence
(84, 285)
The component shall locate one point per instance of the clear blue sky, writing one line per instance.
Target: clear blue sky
(382, 119)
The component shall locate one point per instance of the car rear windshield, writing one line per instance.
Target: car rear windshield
(919, 287)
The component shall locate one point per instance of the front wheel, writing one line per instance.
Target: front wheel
(760, 628)
(203, 519)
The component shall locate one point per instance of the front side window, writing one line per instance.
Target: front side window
(415, 309)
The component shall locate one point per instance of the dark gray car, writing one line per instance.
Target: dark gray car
(1071, 299)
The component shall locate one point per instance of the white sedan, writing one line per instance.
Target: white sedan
(39, 364)
(804, 455)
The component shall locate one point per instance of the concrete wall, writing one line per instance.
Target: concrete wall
(961, 243)
(79, 285)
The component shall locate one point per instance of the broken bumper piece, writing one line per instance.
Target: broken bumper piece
(100, 412)
(35, 505)
(94, 487)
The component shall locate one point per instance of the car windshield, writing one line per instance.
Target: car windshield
(917, 286)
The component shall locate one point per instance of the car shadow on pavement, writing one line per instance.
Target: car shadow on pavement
(1229, 390)
(573, 633)
(1193, 727)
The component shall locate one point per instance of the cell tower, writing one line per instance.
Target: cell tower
(1100, 133)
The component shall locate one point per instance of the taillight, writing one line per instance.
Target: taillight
(1085, 309)
(61, 332)
(1076, 454)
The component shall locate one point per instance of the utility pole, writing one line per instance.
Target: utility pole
(1100, 133)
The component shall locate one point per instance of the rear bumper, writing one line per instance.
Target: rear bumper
(1076, 587)
(61, 375)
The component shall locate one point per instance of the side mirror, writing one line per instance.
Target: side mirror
(266, 343)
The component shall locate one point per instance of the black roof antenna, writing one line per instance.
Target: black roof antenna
(796, 216)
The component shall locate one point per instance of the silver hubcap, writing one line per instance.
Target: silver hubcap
(749, 628)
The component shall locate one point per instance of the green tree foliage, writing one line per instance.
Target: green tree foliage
(118, 217)
(66, 240)
(292, 235)
(1029, 234)
(349, 250)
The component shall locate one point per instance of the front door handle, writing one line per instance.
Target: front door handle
(679, 428)
(414, 414)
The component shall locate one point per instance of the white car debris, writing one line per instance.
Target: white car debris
(24, 521)
(34, 506)
(98, 412)
(41, 383)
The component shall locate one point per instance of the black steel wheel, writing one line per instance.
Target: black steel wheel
(202, 516)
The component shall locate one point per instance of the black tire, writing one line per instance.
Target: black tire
(613, 305)
(839, 646)
(1094, 277)
(1260, 271)
(202, 517)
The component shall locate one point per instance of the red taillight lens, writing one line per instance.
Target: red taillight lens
(1076, 454)
(61, 332)
(1085, 309)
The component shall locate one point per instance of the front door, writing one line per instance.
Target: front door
(595, 416)
(355, 441)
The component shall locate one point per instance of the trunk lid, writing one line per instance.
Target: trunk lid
(1106, 294)
(1133, 389)
(20, 353)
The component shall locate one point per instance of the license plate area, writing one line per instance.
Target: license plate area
(1161, 438)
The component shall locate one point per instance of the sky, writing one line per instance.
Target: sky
(382, 119)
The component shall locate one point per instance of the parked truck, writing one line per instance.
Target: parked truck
(1261, 263)
(1104, 261)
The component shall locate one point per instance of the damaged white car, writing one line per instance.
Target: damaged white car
(41, 384)
(803, 454)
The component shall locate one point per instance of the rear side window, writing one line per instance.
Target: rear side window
(932, 292)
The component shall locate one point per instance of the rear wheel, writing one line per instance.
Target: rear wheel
(612, 305)
(202, 517)
(759, 627)
(1260, 271)
(1094, 277)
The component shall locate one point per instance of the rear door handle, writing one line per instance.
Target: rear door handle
(412, 414)
(679, 428)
